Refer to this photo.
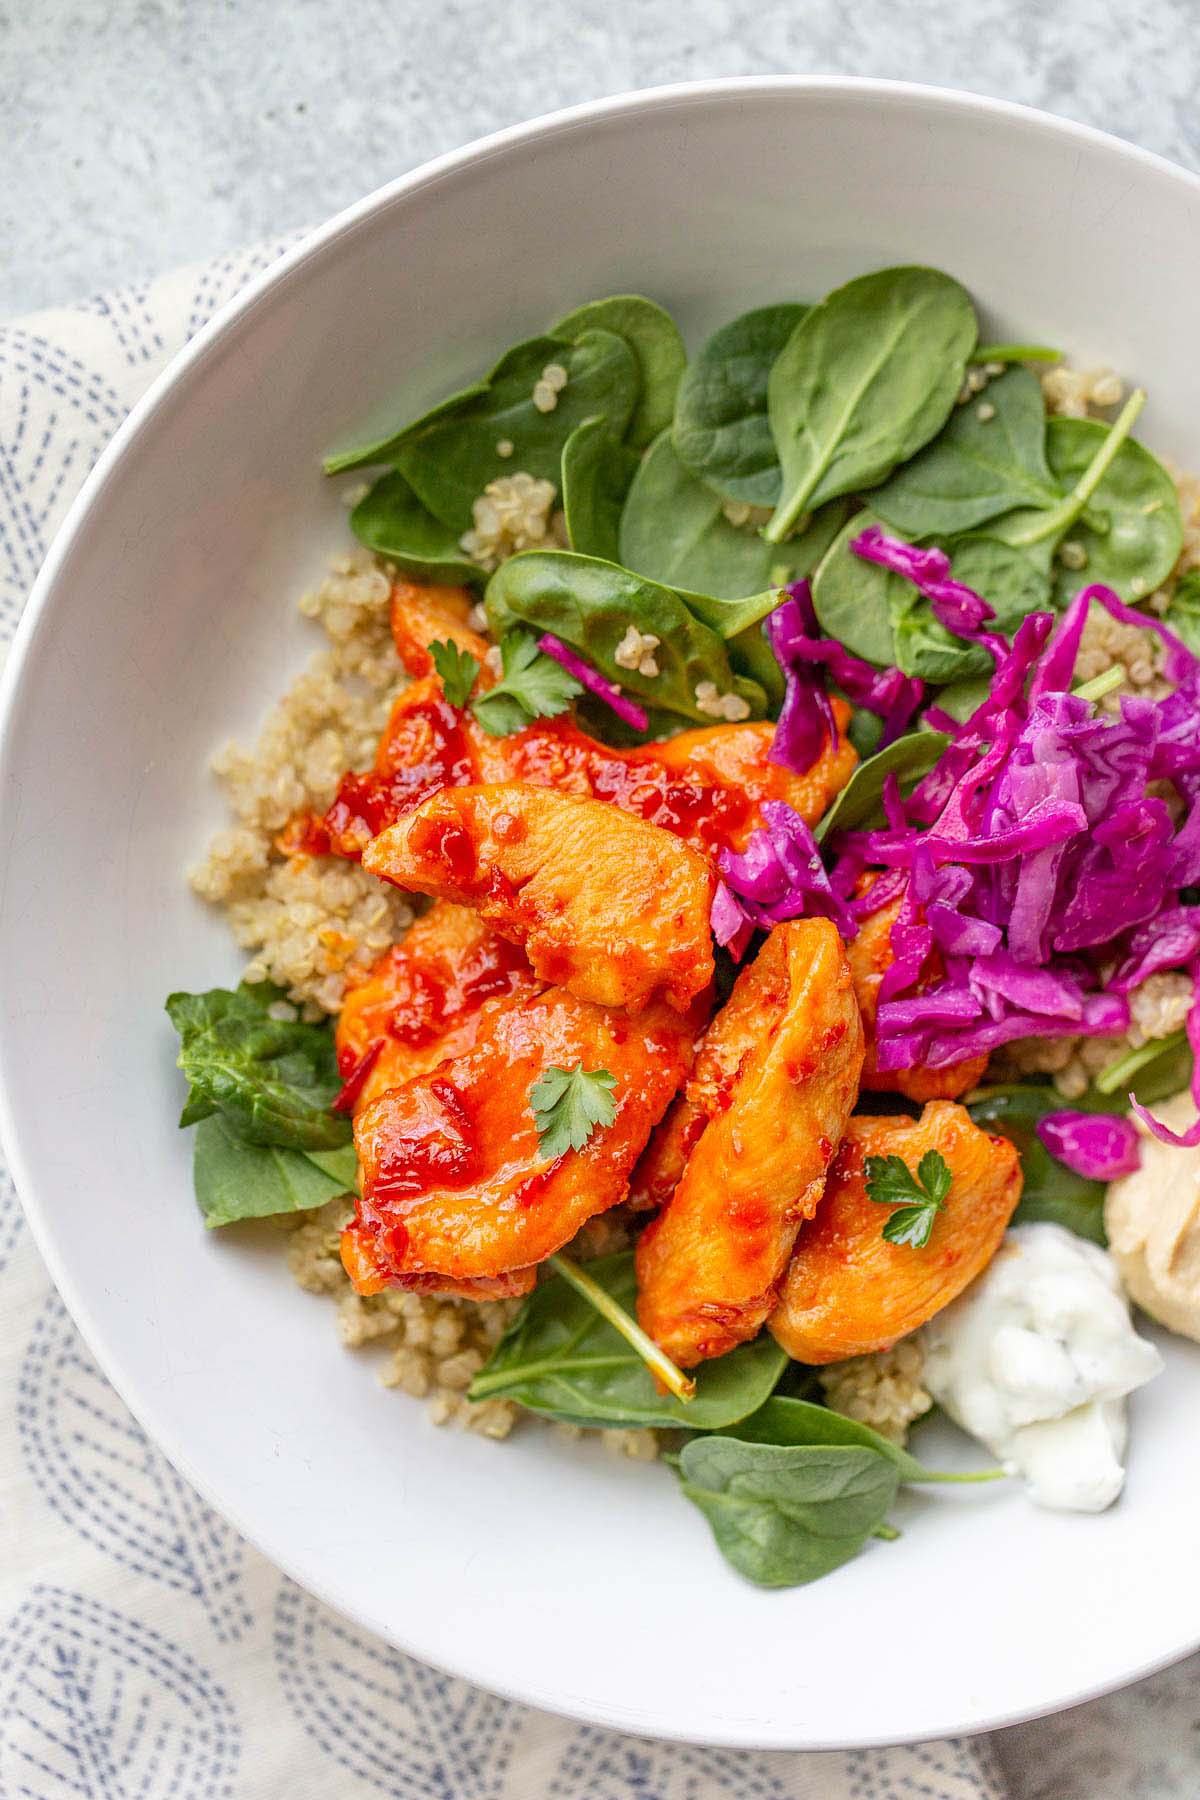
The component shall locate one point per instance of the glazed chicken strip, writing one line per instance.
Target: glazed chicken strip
(424, 998)
(848, 1290)
(871, 955)
(454, 1181)
(426, 615)
(603, 904)
(709, 1266)
(733, 1034)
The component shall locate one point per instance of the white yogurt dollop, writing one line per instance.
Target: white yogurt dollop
(1035, 1360)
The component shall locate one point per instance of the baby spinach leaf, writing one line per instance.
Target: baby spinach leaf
(855, 600)
(235, 1180)
(533, 686)
(596, 473)
(1136, 503)
(449, 456)
(961, 698)
(722, 433)
(782, 1514)
(383, 449)
(866, 379)
(922, 646)
(860, 801)
(340, 1165)
(391, 520)
(653, 337)
(1183, 614)
(740, 624)
(865, 731)
(781, 1420)
(272, 1080)
(590, 604)
(559, 1357)
(989, 458)
(1011, 581)
(1051, 1192)
(675, 530)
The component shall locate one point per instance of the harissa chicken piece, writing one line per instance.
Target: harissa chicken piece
(706, 786)
(454, 1182)
(848, 1290)
(733, 1034)
(426, 615)
(871, 955)
(710, 1265)
(423, 1000)
(601, 903)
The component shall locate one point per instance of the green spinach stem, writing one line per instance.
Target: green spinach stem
(1119, 1073)
(656, 1360)
(1009, 353)
(1099, 685)
(1052, 523)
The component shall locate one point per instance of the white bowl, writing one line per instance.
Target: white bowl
(164, 620)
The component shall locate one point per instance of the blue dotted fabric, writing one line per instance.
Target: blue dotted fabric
(146, 1653)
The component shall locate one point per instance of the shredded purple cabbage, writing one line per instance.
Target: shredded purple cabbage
(1039, 871)
(1101, 1146)
(730, 925)
(594, 682)
(806, 719)
(778, 876)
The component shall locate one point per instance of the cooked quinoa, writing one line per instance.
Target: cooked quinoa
(884, 1391)
(1076, 393)
(310, 923)
(514, 512)
(436, 1344)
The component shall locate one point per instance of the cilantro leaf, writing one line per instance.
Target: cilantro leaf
(457, 668)
(534, 686)
(568, 1105)
(917, 1198)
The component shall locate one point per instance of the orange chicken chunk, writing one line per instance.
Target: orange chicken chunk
(603, 904)
(775, 1089)
(871, 955)
(425, 615)
(733, 1034)
(848, 1290)
(422, 1001)
(454, 1181)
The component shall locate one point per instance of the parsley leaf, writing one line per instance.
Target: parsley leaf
(917, 1198)
(534, 687)
(568, 1105)
(457, 668)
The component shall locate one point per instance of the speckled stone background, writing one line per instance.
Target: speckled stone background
(136, 134)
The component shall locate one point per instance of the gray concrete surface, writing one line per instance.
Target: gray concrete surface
(137, 134)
